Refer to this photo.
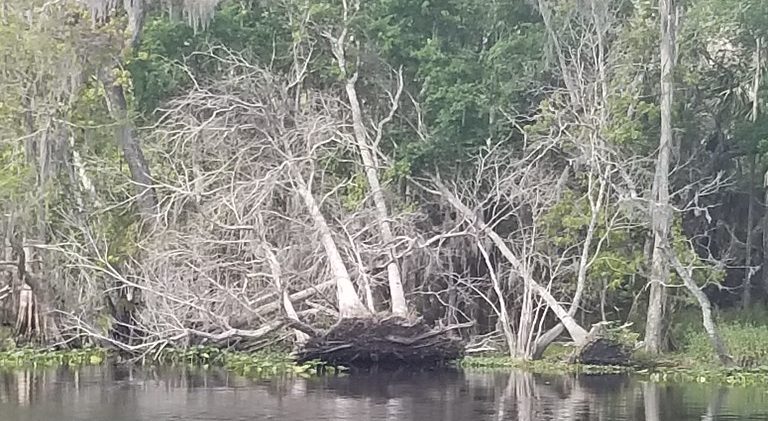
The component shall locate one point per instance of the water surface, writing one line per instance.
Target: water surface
(119, 393)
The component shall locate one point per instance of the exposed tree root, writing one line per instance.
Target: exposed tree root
(601, 349)
(384, 342)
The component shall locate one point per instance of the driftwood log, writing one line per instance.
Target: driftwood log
(384, 342)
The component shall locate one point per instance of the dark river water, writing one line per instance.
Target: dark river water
(122, 394)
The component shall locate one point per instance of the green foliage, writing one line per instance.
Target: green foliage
(540, 366)
(260, 31)
(30, 357)
(621, 334)
(261, 364)
(470, 62)
(567, 221)
(620, 258)
(355, 192)
(745, 341)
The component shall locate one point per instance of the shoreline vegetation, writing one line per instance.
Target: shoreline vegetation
(673, 367)
(694, 360)
(387, 182)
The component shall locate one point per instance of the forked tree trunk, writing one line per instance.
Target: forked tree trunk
(577, 333)
(581, 278)
(660, 212)
(349, 303)
(396, 291)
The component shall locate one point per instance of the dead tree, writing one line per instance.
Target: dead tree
(660, 212)
(369, 150)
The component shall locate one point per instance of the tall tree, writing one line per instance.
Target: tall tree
(661, 217)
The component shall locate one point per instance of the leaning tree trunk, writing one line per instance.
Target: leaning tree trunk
(349, 303)
(660, 217)
(290, 311)
(577, 333)
(706, 309)
(367, 154)
(127, 139)
(396, 291)
(506, 323)
(581, 278)
(128, 142)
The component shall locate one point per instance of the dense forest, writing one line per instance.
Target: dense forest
(200, 171)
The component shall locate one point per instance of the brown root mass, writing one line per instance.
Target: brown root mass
(604, 351)
(392, 341)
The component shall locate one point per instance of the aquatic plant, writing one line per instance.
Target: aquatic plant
(31, 357)
(496, 362)
(257, 364)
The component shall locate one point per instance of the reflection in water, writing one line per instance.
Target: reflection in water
(124, 393)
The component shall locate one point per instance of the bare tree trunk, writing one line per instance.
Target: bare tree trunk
(348, 301)
(746, 293)
(581, 278)
(526, 325)
(290, 312)
(578, 334)
(706, 309)
(506, 324)
(36, 315)
(396, 291)
(367, 151)
(129, 144)
(660, 213)
(764, 263)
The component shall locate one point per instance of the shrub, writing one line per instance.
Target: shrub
(747, 342)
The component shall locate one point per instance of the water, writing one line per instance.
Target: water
(129, 394)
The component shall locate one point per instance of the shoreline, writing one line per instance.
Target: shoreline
(668, 368)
